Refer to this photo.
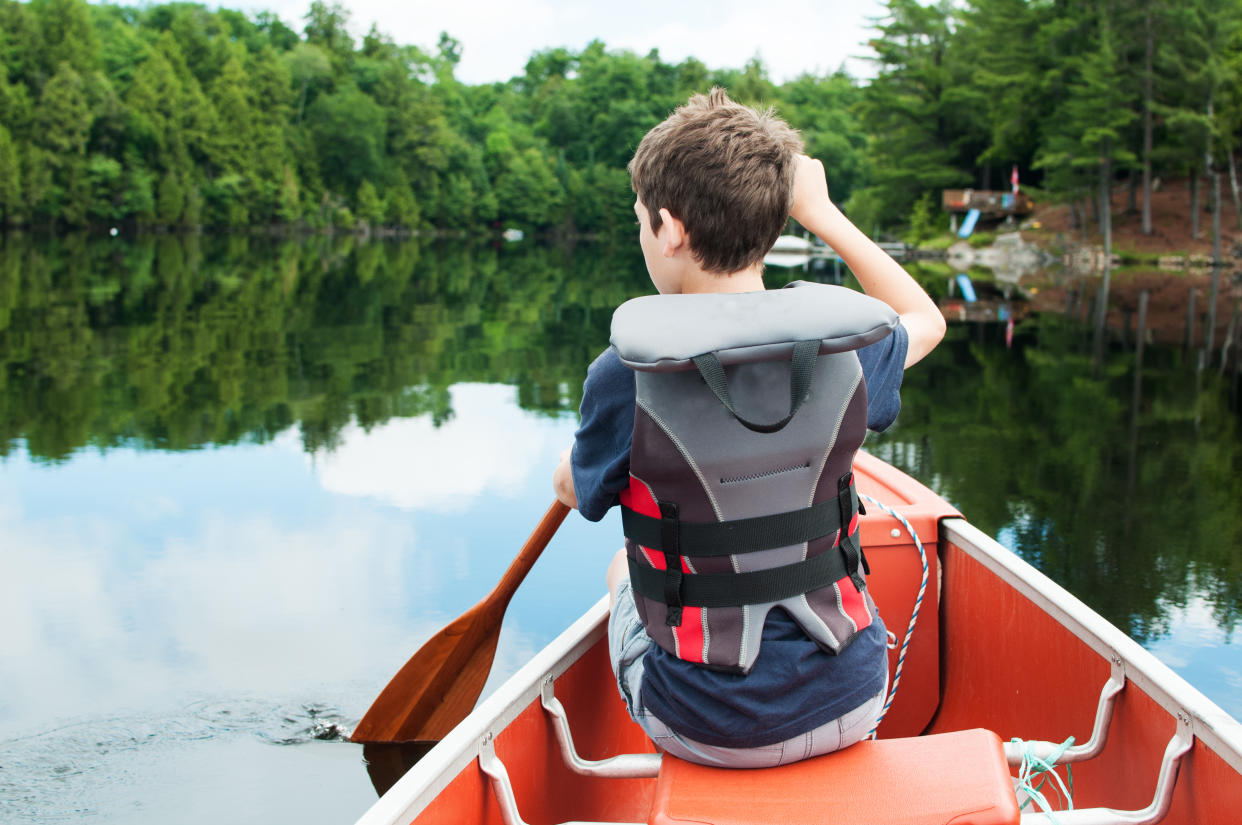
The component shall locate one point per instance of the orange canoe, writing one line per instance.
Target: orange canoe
(999, 652)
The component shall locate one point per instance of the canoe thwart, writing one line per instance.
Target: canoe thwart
(1178, 747)
(1018, 750)
(491, 765)
(624, 766)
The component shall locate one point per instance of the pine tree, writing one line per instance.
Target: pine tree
(170, 200)
(369, 208)
(909, 105)
(67, 36)
(11, 211)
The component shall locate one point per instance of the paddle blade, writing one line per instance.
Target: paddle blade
(438, 686)
(440, 683)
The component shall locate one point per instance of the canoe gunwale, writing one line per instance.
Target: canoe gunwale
(1219, 731)
(453, 754)
(1187, 706)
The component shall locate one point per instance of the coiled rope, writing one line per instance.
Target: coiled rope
(1033, 766)
(914, 615)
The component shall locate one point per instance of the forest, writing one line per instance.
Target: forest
(177, 116)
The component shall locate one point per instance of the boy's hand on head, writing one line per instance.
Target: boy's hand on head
(810, 192)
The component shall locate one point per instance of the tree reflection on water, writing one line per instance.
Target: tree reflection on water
(1128, 497)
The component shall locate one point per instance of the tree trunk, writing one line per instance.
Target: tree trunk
(1237, 196)
(1147, 125)
(1209, 334)
(1194, 203)
(1209, 165)
(1106, 211)
(1215, 218)
(1106, 228)
(1131, 194)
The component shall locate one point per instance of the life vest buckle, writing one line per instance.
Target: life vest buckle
(850, 548)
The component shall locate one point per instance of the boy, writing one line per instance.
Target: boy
(715, 183)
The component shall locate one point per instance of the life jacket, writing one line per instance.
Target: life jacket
(750, 408)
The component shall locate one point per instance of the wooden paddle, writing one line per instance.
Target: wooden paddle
(440, 683)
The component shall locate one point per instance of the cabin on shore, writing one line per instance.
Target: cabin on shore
(993, 204)
(983, 206)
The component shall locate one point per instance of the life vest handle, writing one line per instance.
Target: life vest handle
(802, 370)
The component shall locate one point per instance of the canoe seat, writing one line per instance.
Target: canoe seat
(960, 778)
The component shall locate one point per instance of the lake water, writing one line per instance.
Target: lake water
(242, 480)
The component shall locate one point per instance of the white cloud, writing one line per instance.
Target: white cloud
(410, 464)
(497, 38)
(791, 38)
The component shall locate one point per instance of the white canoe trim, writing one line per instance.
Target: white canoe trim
(432, 774)
(1219, 731)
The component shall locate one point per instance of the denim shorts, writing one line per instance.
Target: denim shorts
(628, 644)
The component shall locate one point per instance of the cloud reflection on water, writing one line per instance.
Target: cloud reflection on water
(252, 569)
(245, 604)
(409, 463)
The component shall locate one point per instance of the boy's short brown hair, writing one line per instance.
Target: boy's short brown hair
(726, 172)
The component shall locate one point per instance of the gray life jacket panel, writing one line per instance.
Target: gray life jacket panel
(750, 408)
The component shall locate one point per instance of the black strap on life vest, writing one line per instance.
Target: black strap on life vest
(851, 550)
(674, 538)
(669, 542)
(746, 535)
(737, 589)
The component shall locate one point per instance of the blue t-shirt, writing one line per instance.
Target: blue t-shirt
(794, 686)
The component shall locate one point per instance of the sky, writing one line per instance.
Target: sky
(790, 37)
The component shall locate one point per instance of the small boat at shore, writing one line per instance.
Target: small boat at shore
(1000, 674)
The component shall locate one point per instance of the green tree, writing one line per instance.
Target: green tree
(11, 211)
(67, 36)
(1087, 134)
(327, 25)
(348, 129)
(62, 123)
(310, 67)
(233, 144)
(527, 191)
(170, 200)
(369, 207)
(911, 109)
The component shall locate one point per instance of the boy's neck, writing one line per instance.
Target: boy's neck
(697, 281)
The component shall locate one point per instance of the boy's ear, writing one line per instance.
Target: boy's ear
(673, 232)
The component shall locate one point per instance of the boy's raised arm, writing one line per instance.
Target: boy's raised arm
(880, 276)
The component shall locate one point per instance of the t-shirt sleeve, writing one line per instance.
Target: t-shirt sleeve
(883, 364)
(600, 460)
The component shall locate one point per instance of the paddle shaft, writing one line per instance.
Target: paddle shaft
(440, 683)
(527, 556)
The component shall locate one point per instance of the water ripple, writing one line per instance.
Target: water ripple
(53, 775)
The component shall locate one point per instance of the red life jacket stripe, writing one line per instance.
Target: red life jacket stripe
(852, 603)
(690, 634)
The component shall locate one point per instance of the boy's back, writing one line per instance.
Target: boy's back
(715, 184)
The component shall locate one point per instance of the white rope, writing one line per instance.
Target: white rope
(914, 615)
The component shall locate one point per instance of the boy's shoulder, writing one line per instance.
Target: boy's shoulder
(607, 373)
(608, 393)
